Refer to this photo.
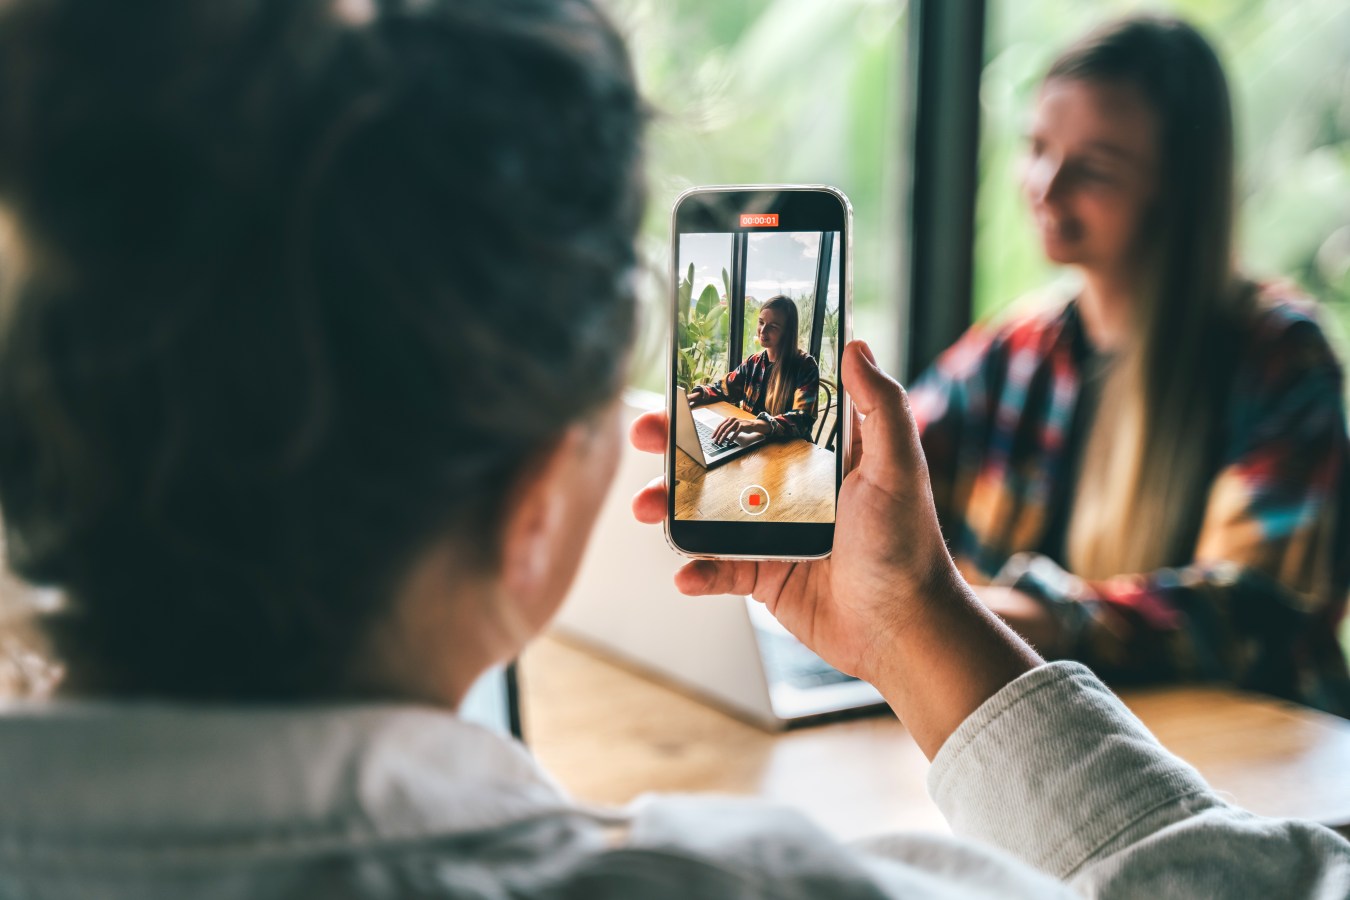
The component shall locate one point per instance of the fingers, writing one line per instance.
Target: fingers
(727, 429)
(649, 504)
(705, 577)
(649, 432)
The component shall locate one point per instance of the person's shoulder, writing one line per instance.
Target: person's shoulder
(1034, 323)
(1034, 319)
(807, 361)
(717, 846)
(1287, 330)
(695, 845)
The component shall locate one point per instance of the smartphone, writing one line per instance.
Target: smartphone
(761, 308)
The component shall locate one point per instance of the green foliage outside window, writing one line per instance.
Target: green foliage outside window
(701, 331)
(756, 91)
(812, 91)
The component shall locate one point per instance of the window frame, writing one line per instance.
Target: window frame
(941, 145)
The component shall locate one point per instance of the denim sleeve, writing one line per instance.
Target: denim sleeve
(1056, 771)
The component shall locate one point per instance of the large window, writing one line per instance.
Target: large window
(799, 91)
(705, 294)
(790, 91)
(799, 269)
(724, 281)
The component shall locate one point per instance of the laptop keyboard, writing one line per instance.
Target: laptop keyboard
(710, 446)
(787, 660)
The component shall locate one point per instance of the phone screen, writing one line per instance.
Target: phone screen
(760, 308)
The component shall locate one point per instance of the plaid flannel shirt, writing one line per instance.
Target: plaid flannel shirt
(748, 385)
(1259, 602)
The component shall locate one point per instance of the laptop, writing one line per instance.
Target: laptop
(727, 651)
(694, 434)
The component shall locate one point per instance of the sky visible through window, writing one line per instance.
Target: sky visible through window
(782, 263)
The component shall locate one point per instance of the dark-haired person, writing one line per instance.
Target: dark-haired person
(1153, 474)
(252, 248)
(779, 385)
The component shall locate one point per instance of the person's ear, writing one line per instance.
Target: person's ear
(534, 514)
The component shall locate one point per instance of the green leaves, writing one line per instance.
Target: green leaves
(700, 332)
(686, 293)
(708, 301)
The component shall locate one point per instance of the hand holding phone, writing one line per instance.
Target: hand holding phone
(886, 543)
(760, 307)
(889, 605)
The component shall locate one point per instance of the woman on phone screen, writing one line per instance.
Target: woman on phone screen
(1151, 476)
(778, 385)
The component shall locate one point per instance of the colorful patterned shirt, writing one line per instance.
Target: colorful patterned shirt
(1259, 601)
(748, 388)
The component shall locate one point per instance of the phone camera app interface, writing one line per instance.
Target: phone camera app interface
(757, 374)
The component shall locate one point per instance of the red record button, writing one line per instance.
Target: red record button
(754, 500)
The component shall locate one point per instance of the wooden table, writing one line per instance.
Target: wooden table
(797, 475)
(609, 735)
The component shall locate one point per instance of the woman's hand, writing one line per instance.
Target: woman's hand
(732, 426)
(888, 605)
(697, 395)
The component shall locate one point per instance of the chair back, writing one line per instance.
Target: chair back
(827, 387)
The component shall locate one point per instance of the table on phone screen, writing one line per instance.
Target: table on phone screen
(797, 475)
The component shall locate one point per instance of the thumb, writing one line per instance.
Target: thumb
(870, 388)
(888, 427)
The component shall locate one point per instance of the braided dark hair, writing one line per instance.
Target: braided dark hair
(289, 297)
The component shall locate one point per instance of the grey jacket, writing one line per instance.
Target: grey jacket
(1053, 786)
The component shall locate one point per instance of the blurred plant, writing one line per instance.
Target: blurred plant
(773, 91)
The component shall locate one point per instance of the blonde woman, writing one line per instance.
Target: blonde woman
(1151, 477)
(779, 384)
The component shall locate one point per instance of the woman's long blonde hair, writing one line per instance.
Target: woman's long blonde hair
(1142, 485)
(778, 398)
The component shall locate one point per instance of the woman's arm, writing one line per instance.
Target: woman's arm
(730, 388)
